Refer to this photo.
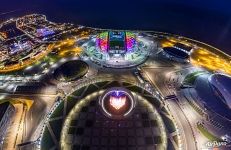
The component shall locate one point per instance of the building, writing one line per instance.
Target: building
(221, 86)
(6, 113)
(178, 52)
(214, 99)
(3, 52)
(118, 49)
(116, 42)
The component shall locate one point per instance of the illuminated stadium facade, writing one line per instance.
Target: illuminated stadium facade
(116, 42)
(118, 49)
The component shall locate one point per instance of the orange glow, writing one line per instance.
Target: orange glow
(68, 47)
(3, 34)
(167, 44)
(211, 61)
(211, 58)
(170, 42)
(117, 102)
(28, 62)
(27, 102)
(65, 48)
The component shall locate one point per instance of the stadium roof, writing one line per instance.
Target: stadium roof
(3, 108)
(176, 52)
(223, 84)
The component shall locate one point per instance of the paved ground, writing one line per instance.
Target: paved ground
(158, 75)
(15, 132)
(93, 130)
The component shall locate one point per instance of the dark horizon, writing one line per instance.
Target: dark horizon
(208, 21)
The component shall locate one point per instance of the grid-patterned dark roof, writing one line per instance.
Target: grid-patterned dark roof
(3, 108)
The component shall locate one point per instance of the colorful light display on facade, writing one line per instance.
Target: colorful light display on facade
(102, 41)
(103, 38)
(130, 41)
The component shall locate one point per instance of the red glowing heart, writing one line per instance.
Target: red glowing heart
(117, 102)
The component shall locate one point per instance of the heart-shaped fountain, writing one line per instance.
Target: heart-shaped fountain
(117, 102)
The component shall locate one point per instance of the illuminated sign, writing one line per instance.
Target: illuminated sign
(117, 102)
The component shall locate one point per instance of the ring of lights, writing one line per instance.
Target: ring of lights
(117, 102)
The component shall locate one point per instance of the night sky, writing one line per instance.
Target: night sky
(205, 20)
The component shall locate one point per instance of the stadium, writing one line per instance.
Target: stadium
(178, 52)
(118, 49)
(214, 98)
(220, 83)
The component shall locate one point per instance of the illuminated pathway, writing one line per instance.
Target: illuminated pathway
(65, 48)
(27, 62)
(16, 130)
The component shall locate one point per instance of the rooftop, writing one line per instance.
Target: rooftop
(3, 107)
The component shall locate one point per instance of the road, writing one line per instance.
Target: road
(15, 132)
(158, 74)
(184, 124)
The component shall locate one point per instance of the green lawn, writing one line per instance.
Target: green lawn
(91, 89)
(157, 139)
(190, 78)
(169, 124)
(207, 134)
(101, 84)
(79, 92)
(135, 89)
(153, 101)
(56, 126)
(164, 110)
(58, 111)
(47, 142)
